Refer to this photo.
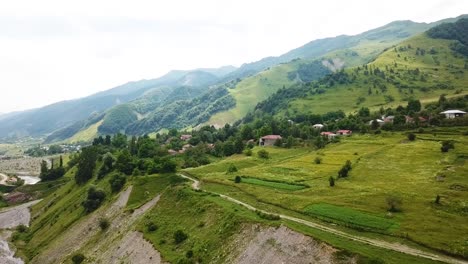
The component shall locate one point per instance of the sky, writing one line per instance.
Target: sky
(52, 50)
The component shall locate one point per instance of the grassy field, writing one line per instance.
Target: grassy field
(253, 90)
(86, 135)
(383, 165)
(274, 184)
(351, 217)
(146, 187)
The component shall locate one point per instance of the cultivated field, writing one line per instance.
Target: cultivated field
(383, 166)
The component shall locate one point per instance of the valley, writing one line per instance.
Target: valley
(350, 149)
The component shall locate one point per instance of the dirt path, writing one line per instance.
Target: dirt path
(374, 242)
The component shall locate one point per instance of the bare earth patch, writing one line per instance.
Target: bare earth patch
(133, 248)
(116, 244)
(280, 245)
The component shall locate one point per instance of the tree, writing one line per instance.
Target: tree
(44, 169)
(104, 223)
(413, 105)
(393, 203)
(124, 162)
(86, 165)
(94, 199)
(331, 181)
(237, 179)
(117, 182)
(78, 258)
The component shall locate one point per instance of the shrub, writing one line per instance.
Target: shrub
(22, 228)
(179, 236)
(267, 216)
(189, 254)
(232, 168)
(104, 223)
(446, 145)
(78, 258)
(237, 179)
(331, 180)
(411, 136)
(248, 152)
(151, 227)
(317, 160)
(263, 154)
(393, 203)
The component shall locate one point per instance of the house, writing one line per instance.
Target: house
(453, 113)
(172, 152)
(379, 121)
(388, 119)
(344, 132)
(329, 135)
(318, 126)
(409, 119)
(268, 140)
(185, 137)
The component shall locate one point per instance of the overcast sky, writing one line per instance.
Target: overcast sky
(56, 50)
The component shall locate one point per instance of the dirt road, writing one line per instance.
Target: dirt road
(374, 242)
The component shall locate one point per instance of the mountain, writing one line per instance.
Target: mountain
(231, 98)
(424, 67)
(379, 38)
(60, 115)
(183, 99)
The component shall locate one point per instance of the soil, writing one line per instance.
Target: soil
(280, 245)
(11, 218)
(117, 244)
(132, 248)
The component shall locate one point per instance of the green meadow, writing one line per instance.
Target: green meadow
(382, 166)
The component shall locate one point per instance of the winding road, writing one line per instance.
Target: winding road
(370, 241)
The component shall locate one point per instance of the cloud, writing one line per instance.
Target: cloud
(54, 50)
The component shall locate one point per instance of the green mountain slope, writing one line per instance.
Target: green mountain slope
(66, 114)
(421, 67)
(335, 53)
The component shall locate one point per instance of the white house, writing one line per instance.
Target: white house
(453, 113)
(379, 121)
(318, 126)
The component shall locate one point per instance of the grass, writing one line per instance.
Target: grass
(253, 90)
(207, 224)
(274, 184)
(383, 165)
(55, 213)
(86, 135)
(147, 187)
(446, 67)
(350, 217)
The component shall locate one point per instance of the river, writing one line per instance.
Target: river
(30, 180)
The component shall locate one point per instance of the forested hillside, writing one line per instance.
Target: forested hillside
(421, 67)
